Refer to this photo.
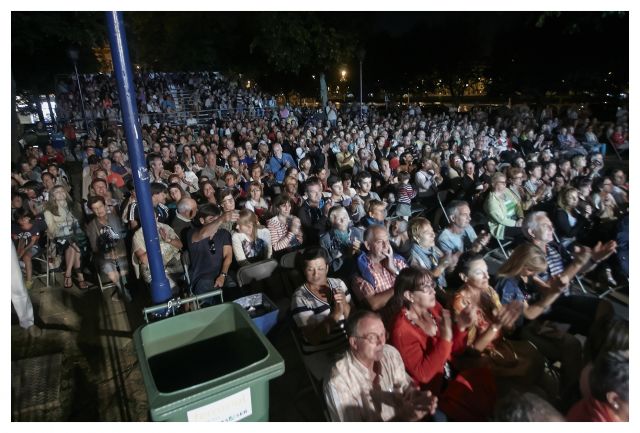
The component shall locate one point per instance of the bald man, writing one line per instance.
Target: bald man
(185, 212)
(377, 269)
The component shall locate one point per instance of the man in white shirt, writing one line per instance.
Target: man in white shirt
(369, 383)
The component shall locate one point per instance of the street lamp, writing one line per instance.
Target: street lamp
(74, 55)
(343, 73)
(361, 54)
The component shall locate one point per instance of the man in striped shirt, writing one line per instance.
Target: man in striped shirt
(580, 311)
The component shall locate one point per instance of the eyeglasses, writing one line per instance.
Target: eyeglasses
(374, 338)
(425, 288)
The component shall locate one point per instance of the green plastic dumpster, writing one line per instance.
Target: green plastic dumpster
(207, 365)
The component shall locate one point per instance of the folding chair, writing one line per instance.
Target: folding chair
(316, 383)
(44, 259)
(292, 278)
(501, 246)
(288, 260)
(256, 272)
(103, 286)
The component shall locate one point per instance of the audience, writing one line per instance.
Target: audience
(359, 198)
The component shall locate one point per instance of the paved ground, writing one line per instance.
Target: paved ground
(100, 379)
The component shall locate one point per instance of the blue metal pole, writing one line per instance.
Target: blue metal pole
(160, 287)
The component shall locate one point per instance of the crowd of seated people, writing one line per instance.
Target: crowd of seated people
(394, 217)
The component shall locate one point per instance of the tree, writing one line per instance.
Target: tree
(39, 44)
(301, 42)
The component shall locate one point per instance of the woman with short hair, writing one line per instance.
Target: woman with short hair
(342, 241)
(503, 209)
(429, 339)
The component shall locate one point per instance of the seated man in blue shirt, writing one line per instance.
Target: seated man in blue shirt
(460, 236)
(280, 162)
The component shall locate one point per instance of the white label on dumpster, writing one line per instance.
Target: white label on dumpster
(232, 408)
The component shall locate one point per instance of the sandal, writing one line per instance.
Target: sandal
(82, 284)
(68, 282)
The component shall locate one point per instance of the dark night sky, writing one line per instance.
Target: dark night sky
(400, 45)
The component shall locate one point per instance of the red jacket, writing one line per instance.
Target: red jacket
(424, 357)
(470, 395)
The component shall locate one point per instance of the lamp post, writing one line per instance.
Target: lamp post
(361, 54)
(160, 288)
(74, 55)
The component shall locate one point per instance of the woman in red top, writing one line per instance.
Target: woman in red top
(426, 338)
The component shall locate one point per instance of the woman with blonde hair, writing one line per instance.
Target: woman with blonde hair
(250, 241)
(63, 217)
(513, 362)
(517, 282)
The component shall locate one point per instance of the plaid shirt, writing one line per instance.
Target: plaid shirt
(384, 280)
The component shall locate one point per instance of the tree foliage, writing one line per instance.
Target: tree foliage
(293, 42)
(303, 42)
(40, 41)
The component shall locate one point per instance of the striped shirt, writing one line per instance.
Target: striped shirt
(555, 264)
(406, 193)
(281, 237)
(309, 310)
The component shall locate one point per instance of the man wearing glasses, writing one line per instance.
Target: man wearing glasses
(369, 383)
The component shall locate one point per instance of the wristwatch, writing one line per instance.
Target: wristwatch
(224, 274)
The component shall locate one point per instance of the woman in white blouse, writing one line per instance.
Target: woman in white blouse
(62, 216)
(250, 241)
